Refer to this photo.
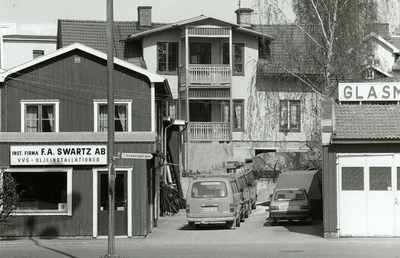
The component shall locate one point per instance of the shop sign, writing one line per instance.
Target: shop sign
(58, 155)
(389, 91)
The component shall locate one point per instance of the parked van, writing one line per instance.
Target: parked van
(244, 194)
(213, 200)
(252, 183)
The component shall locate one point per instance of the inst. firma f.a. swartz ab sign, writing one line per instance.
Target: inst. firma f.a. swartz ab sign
(58, 155)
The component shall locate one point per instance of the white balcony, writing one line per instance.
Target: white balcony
(206, 75)
(218, 131)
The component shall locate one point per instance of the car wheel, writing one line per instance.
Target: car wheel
(273, 221)
(192, 225)
(242, 218)
(253, 207)
(232, 224)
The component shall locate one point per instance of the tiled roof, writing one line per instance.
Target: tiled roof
(94, 34)
(395, 41)
(288, 50)
(368, 122)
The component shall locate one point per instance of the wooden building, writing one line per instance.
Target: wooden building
(361, 161)
(53, 141)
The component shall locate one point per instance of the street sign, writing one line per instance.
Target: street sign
(136, 155)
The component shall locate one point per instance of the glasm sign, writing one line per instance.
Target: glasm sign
(385, 91)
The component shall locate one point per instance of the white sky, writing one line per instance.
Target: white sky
(40, 16)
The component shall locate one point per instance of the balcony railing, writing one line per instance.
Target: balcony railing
(210, 131)
(210, 75)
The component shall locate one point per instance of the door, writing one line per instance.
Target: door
(366, 195)
(121, 214)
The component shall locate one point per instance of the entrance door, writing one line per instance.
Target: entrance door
(120, 221)
(366, 195)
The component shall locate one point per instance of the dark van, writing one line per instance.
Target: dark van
(213, 200)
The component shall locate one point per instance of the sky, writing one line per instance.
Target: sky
(40, 16)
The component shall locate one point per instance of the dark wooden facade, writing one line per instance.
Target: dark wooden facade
(76, 78)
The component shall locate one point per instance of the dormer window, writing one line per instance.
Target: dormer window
(370, 74)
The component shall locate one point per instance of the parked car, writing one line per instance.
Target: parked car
(244, 194)
(213, 200)
(252, 183)
(290, 204)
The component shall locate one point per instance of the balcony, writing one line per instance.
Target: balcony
(217, 131)
(206, 75)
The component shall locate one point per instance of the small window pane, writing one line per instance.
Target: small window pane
(31, 119)
(380, 178)
(352, 179)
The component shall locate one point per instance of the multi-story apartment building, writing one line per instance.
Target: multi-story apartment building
(211, 67)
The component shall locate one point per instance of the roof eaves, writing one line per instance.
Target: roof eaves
(152, 77)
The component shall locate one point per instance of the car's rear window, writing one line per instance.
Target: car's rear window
(209, 189)
(289, 195)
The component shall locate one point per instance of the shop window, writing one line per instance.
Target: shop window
(238, 57)
(290, 116)
(380, 178)
(200, 53)
(167, 54)
(43, 191)
(352, 178)
(122, 116)
(39, 116)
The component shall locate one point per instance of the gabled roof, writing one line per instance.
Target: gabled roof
(155, 78)
(180, 24)
(394, 49)
(367, 122)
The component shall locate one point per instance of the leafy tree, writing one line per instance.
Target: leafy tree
(8, 196)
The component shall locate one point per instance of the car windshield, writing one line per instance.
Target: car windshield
(209, 189)
(289, 195)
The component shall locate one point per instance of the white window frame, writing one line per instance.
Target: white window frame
(96, 104)
(56, 104)
(67, 212)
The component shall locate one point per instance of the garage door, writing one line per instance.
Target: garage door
(368, 195)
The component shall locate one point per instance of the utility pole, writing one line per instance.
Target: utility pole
(111, 128)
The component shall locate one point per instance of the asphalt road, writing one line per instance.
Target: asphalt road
(172, 238)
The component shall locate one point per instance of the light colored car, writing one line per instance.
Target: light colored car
(290, 204)
(213, 200)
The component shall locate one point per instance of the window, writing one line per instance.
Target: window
(290, 115)
(200, 53)
(238, 57)
(238, 115)
(369, 74)
(37, 53)
(122, 116)
(167, 57)
(43, 191)
(39, 116)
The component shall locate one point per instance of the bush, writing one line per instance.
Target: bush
(8, 196)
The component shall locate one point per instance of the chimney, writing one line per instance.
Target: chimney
(244, 16)
(144, 16)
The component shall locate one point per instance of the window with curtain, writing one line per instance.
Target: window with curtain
(167, 54)
(39, 117)
(238, 57)
(290, 115)
(122, 120)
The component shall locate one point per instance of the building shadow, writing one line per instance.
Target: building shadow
(316, 227)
